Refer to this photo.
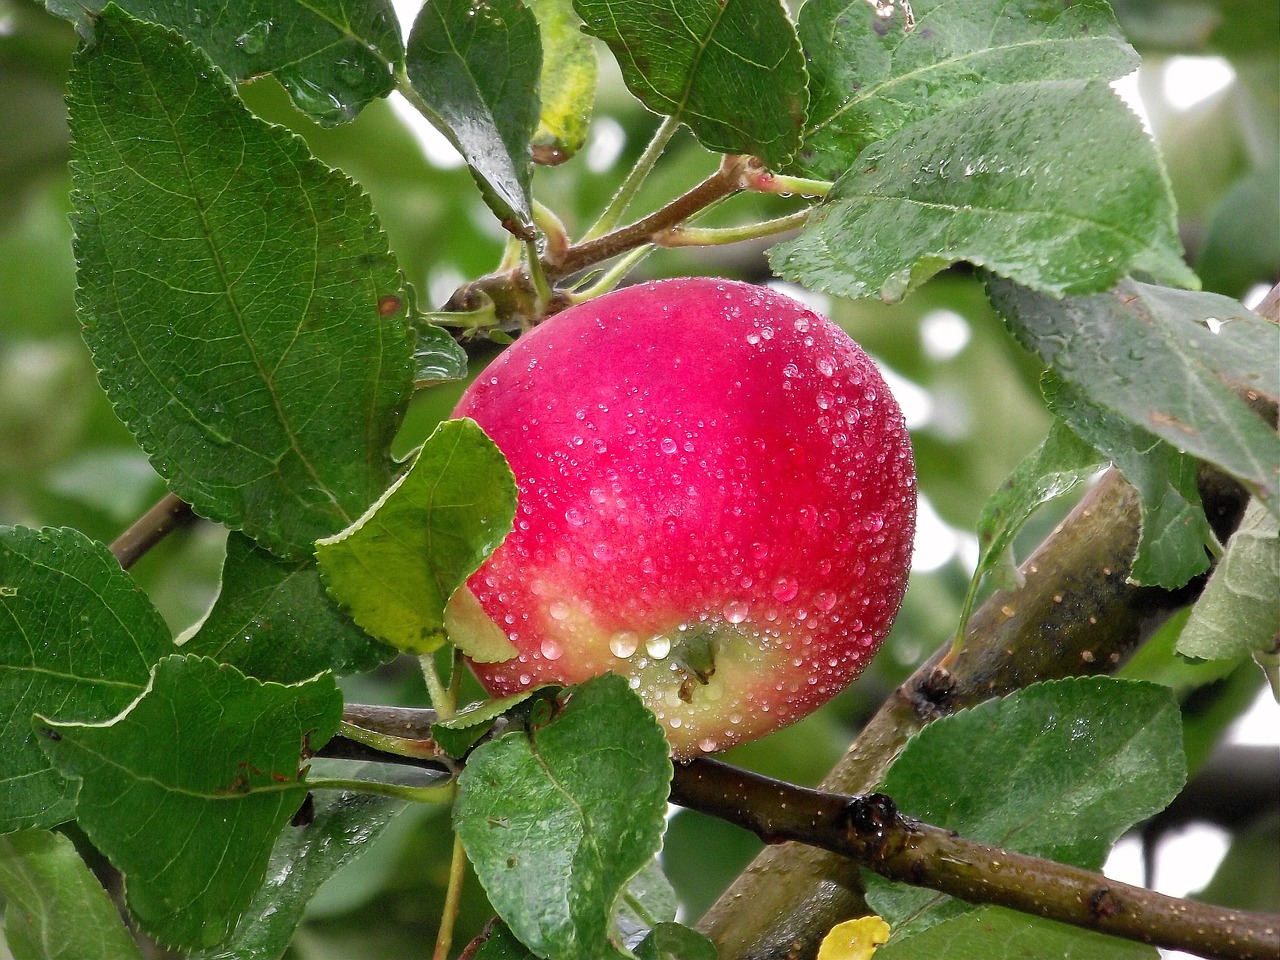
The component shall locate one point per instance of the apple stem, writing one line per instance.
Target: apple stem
(452, 900)
(635, 178)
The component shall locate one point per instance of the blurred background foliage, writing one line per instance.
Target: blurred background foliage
(1211, 93)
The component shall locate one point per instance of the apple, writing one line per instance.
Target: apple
(716, 500)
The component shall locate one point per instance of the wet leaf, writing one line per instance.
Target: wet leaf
(869, 77)
(675, 941)
(343, 827)
(333, 56)
(1239, 612)
(732, 71)
(994, 933)
(273, 620)
(1115, 751)
(1175, 531)
(397, 566)
(1054, 468)
(475, 66)
(557, 820)
(567, 84)
(77, 642)
(1166, 360)
(55, 909)
(437, 357)
(1054, 185)
(229, 288)
(187, 790)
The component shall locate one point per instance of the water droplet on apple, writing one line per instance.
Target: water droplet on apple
(735, 611)
(558, 610)
(658, 647)
(785, 589)
(575, 516)
(551, 649)
(825, 600)
(623, 645)
(668, 445)
(808, 518)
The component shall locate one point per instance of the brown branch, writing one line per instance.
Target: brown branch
(870, 831)
(167, 515)
(1075, 613)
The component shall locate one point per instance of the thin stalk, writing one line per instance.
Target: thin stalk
(386, 743)
(452, 900)
(721, 236)
(617, 206)
(436, 690)
(606, 281)
(541, 288)
(397, 791)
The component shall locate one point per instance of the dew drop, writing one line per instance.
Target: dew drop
(735, 611)
(558, 610)
(658, 647)
(623, 645)
(825, 600)
(551, 649)
(575, 516)
(668, 445)
(785, 589)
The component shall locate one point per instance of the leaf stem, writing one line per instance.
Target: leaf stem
(682, 236)
(452, 900)
(436, 690)
(627, 191)
(387, 743)
(604, 282)
(442, 793)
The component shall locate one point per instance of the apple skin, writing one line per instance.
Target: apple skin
(717, 501)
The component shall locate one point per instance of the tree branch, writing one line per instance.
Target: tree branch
(870, 831)
(167, 515)
(1074, 614)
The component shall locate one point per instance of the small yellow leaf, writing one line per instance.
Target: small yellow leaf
(854, 939)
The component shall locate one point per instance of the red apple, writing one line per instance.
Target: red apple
(716, 500)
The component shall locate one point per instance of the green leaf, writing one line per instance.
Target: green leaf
(475, 67)
(675, 941)
(396, 567)
(1058, 770)
(648, 901)
(333, 56)
(557, 820)
(345, 824)
(55, 909)
(1165, 360)
(1239, 610)
(732, 71)
(501, 944)
(1054, 468)
(437, 357)
(567, 82)
(77, 641)
(229, 288)
(994, 933)
(272, 620)
(187, 790)
(1171, 547)
(456, 735)
(869, 78)
(1054, 185)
